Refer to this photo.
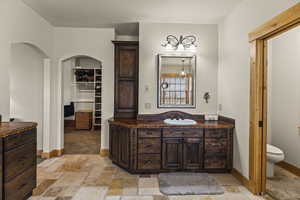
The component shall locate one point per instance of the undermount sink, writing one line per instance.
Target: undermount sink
(180, 122)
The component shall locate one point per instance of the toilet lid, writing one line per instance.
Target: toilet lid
(273, 150)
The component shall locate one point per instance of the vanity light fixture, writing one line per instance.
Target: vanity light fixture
(181, 44)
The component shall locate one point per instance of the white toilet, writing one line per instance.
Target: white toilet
(274, 155)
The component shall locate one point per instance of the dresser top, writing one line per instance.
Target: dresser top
(12, 128)
(132, 123)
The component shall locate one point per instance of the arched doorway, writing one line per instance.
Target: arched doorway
(81, 104)
(28, 88)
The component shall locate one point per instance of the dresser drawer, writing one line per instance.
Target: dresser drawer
(182, 132)
(216, 133)
(215, 161)
(83, 116)
(17, 160)
(16, 140)
(21, 186)
(149, 132)
(149, 145)
(83, 120)
(216, 145)
(149, 161)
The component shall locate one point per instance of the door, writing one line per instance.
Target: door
(193, 153)
(126, 79)
(124, 147)
(114, 143)
(172, 153)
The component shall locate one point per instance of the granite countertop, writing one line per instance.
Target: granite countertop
(12, 128)
(131, 123)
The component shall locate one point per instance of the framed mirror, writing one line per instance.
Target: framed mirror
(176, 84)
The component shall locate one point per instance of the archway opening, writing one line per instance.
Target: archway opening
(26, 76)
(81, 99)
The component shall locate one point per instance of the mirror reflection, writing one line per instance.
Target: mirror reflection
(176, 81)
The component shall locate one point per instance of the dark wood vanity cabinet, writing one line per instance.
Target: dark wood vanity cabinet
(193, 153)
(126, 79)
(119, 145)
(18, 160)
(145, 147)
(218, 142)
(172, 153)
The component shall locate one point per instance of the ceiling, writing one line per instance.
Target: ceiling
(114, 13)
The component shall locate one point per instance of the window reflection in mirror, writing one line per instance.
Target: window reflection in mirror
(176, 85)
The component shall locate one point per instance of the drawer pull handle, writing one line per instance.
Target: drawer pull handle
(148, 162)
(21, 186)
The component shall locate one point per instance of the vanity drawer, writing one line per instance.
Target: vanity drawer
(216, 145)
(215, 161)
(216, 133)
(18, 160)
(182, 132)
(16, 140)
(149, 161)
(149, 145)
(149, 132)
(21, 186)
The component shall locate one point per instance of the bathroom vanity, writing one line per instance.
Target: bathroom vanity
(148, 145)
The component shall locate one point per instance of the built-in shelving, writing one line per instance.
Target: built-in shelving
(87, 84)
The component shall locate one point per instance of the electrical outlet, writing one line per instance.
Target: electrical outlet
(147, 88)
(220, 107)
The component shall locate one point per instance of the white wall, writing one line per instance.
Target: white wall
(67, 80)
(26, 86)
(127, 38)
(96, 43)
(284, 101)
(234, 70)
(19, 23)
(151, 35)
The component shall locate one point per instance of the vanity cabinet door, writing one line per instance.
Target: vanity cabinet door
(124, 146)
(193, 153)
(114, 143)
(126, 79)
(216, 148)
(172, 153)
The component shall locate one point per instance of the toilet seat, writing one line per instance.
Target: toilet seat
(274, 150)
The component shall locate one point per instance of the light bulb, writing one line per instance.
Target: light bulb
(192, 47)
(182, 73)
(169, 46)
(180, 47)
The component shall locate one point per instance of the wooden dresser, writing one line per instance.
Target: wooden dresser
(148, 145)
(18, 160)
(84, 120)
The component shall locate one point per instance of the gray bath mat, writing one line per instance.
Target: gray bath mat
(188, 184)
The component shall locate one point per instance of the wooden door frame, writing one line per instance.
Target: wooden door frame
(258, 92)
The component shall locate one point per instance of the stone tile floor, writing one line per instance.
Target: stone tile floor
(82, 142)
(91, 177)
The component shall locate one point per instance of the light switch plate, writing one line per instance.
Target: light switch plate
(148, 105)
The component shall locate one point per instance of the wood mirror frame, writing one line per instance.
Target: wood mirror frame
(258, 92)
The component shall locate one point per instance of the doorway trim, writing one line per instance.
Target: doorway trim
(60, 104)
(258, 92)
